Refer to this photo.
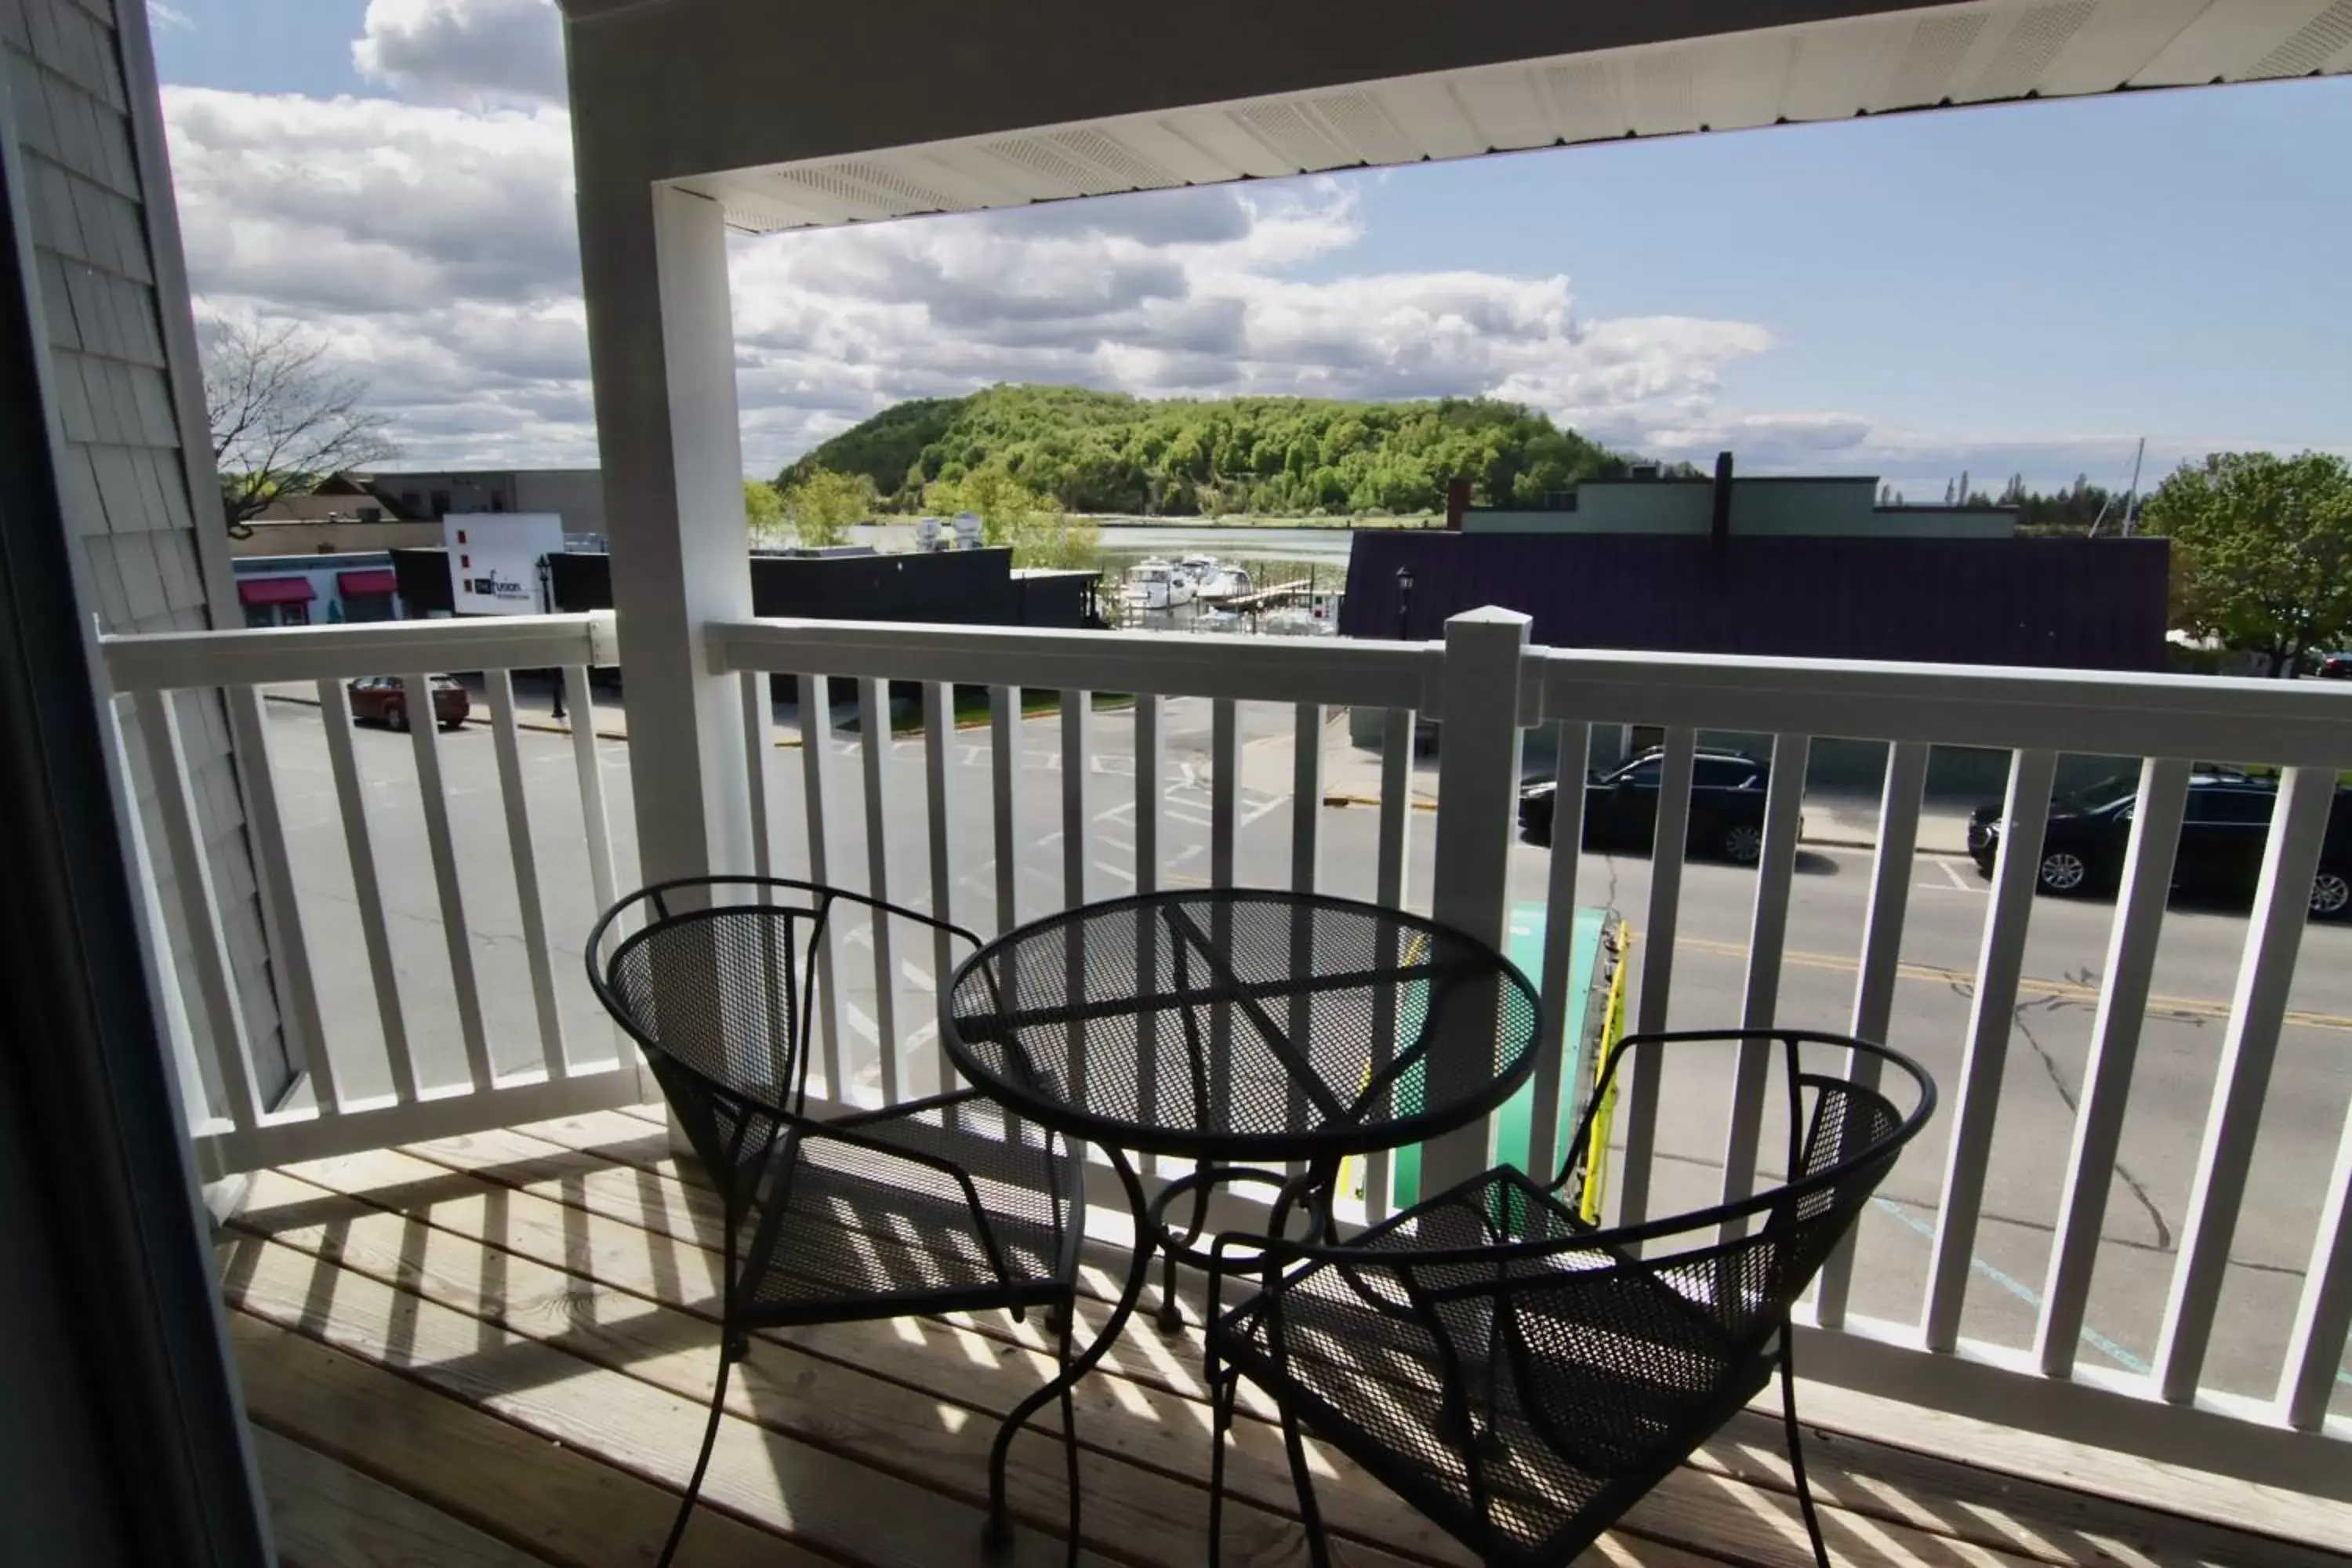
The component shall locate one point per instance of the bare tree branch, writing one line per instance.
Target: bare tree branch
(282, 417)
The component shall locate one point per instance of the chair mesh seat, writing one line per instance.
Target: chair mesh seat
(1522, 1378)
(1601, 1380)
(860, 1231)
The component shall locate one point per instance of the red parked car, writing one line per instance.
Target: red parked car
(384, 699)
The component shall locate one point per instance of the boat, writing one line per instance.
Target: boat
(1156, 583)
(1216, 580)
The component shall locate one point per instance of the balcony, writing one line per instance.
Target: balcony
(509, 1336)
(2121, 1271)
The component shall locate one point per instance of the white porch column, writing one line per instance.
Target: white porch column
(662, 345)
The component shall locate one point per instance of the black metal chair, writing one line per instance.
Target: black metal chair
(1521, 1377)
(935, 1205)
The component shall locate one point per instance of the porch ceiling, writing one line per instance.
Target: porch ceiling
(1673, 69)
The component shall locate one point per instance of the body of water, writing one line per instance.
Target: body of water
(1324, 546)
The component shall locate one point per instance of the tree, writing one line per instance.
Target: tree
(763, 506)
(822, 504)
(1090, 451)
(2262, 551)
(282, 417)
(1000, 502)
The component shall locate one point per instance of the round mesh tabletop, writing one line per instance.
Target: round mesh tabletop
(1243, 1024)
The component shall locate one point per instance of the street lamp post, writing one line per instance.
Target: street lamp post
(1404, 603)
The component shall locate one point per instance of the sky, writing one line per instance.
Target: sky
(2020, 290)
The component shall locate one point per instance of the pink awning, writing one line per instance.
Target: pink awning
(275, 590)
(376, 581)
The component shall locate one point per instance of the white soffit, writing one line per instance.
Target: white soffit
(1986, 52)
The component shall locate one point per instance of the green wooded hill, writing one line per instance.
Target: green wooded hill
(1106, 452)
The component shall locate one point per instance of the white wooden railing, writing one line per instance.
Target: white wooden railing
(1489, 688)
(833, 809)
(363, 1081)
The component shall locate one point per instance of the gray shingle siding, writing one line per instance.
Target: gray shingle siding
(143, 558)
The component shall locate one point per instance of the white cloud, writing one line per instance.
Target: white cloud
(465, 51)
(168, 18)
(430, 236)
(435, 246)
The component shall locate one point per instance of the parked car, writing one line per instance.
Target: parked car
(2223, 829)
(1621, 808)
(2334, 666)
(384, 699)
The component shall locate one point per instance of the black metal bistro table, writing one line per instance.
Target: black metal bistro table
(1266, 1036)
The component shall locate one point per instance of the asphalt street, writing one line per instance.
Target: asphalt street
(2049, 1037)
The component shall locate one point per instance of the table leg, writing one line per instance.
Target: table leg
(997, 1534)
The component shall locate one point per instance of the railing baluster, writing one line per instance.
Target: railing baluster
(1306, 796)
(757, 746)
(167, 765)
(1077, 761)
(2324, 1313)
(2257, 1008)
(581, 700)
(1657, 964)
(425, 741)
(536, 958)
(2114, 1047)
(1225, 788)
(1151, 789)
(305, 1029)
(816, 744)
(1004, 762)
(1992, 1015)
(1389, 891)
(1150, 810)
(874, 749)
(367, 890)
(1224, 795)
(1572, 740)
(938, 734)
(1882, 954)
(1768, 934)
(1306, 822)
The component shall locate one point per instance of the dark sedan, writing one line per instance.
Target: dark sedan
(2335, 667)
(1621, 808)
(2223, 829)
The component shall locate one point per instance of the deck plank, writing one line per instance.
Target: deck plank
(324, 1514)
(570, 1508)
(1690, 1510)
(843, 1508)
(1135, 1511)
(1924, 1487)
(1693, 1509)
(478, 1267)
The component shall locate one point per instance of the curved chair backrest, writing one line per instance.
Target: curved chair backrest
(715, 986)
(1617, 1344)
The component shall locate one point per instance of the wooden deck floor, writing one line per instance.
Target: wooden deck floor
(496, 1351)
